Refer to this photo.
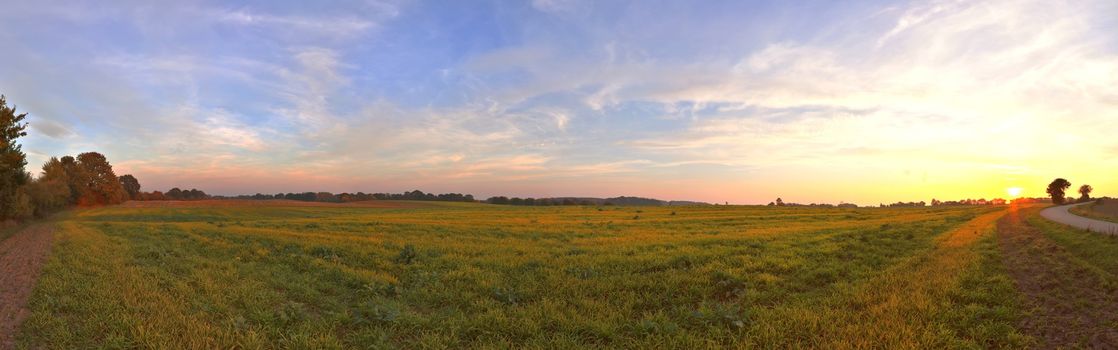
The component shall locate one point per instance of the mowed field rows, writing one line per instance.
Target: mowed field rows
(481, 276)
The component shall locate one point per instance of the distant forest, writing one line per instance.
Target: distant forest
(418, 195)
(623, 200)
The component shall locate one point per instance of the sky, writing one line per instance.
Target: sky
(738, 101)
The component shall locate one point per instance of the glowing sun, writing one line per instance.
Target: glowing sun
(1013, 191)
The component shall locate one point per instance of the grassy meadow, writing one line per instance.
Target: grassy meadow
(1090, 249)
(1105, 211)
(436, 275)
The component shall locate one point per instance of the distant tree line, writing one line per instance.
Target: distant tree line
(779, 202)
(539, 202)
(418, 195)
(623, 200)
(415, 195)
(981, 201)
(174, 194)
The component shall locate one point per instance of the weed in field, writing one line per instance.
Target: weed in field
(720, 315)
(406, 255)
(506, 295)
(377, 311)
(727, 287)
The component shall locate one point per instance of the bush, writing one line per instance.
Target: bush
(48, 196)
(22, 207)
(407, 255)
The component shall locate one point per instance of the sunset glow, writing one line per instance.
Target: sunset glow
(665, 174)
(1013, 192)
(739, 101)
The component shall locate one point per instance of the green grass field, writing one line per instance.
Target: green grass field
(467, 275)
(1108, 211)
(1091, 249)
(1068, 279)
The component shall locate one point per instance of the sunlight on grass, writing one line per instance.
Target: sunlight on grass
(494, 276)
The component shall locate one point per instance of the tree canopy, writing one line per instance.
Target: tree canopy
(1057, 189)
(102, 185)
(1085, 192)
(131, 186)
(12, 160)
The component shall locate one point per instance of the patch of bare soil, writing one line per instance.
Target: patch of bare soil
(1070, 305)
(21, 259)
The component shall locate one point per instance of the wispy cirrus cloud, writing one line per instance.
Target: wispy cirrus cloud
(343, 26)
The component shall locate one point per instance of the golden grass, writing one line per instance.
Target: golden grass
(480, 276)
(903, 307)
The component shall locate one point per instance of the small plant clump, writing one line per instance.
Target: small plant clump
(407, 255)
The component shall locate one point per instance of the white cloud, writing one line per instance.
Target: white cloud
(336, 26)
(51, 128)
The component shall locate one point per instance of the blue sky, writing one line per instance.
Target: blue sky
(739, 101)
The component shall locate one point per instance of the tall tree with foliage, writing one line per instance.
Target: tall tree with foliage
(101, 184)
(1085, 192)
(12, 159)
(76, 178)
(131, 186)
(1056, 190)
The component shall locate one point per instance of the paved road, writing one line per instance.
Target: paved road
(1061, 215)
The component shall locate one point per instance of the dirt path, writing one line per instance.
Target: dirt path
(21, 259)
(1061, 215)
(1069, 304)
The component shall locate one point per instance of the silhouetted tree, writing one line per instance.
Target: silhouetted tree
(174, 194)
(498, 200)
(1085, 193)
(325, 197)
(12, 160)
(131, 186)
(1056, 190)
(779, 202)
(194, 194)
